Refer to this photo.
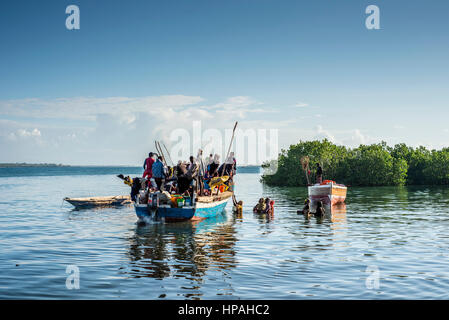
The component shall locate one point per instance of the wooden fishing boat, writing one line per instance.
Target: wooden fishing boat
(202, 207)
(90, 202)
(329, 192)
(162, 205)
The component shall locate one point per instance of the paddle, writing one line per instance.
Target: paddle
(234, 200)
(159, 149)
(168, 153)
(229, 149)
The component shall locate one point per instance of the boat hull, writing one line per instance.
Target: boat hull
(201, 210)
(205, 210)
(329, 194)
(92, 202)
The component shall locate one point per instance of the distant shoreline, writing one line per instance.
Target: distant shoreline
(23, 164)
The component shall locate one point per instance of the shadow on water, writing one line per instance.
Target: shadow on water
(183, 249)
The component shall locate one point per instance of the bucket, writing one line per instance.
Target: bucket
(180, 202)
(174, 200)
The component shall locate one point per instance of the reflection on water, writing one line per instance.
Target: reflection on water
(184, 249)
(337, 215)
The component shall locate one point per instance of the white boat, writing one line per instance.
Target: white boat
(329, 192)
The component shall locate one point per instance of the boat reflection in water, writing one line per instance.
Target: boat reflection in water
(337, 212)
(185, 249)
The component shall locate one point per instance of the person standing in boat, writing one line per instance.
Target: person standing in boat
(201, 171)
(231, 165)
(158, 173)
(210, 160)
(148, 165)
(214, 165)
(201, 167)
(192, 168)
(191, 162)
(319, 173)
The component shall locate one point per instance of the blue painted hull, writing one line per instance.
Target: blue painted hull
(176, 214)
(201, 211)
(210, 211)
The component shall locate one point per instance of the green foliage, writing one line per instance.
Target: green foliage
(367, 165)
(437, 169)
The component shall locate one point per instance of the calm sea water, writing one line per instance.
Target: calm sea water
(388, 243)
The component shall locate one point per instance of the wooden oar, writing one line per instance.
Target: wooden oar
(155, 144)
(229, 149)
(159, 149)
(168, 153)
(234, 200)
(162, 153)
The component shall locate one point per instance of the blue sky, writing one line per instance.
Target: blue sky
(311, 69)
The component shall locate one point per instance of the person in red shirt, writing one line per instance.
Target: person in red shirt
(147, 166)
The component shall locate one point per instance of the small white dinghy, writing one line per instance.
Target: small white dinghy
(329, 192)
(90, 202)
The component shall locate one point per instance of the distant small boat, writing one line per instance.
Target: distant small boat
(329, 192)
(90, 202)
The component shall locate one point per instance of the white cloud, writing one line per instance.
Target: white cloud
(350, 138)
(356, 139)
(237, 107)
(323, 134)
(88, 107)
(24, 133)
(301, 105)
(114, 130)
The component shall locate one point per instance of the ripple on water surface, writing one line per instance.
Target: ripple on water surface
(401, 233)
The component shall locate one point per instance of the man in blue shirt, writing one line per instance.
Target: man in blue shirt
(158, 173)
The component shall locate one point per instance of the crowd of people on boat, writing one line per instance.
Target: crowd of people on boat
(203, 176)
